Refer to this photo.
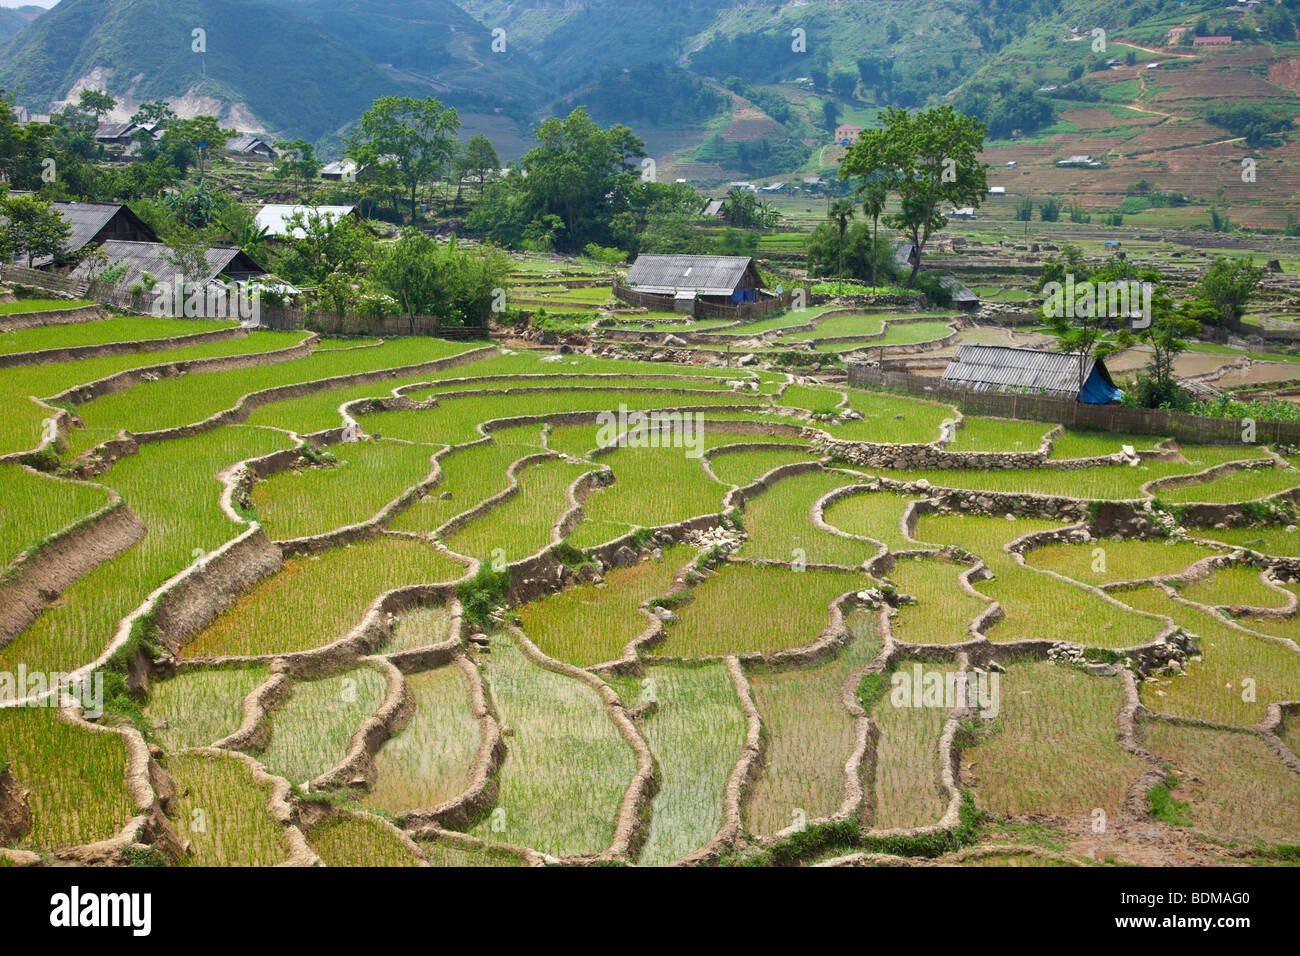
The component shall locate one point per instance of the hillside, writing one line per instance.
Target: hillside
(264, 67)
(430, 42)
(721, 89)
(13, 19)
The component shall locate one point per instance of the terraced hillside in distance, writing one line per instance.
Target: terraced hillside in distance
(423, 602)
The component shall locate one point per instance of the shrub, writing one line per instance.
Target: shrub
(480, 596)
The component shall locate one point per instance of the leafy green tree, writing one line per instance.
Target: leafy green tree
(830, 115)
(582, 174)
(481, 159)
(417, 138)
(32, 227)
(97, 104)
(1228, 285)
(427, 277)
(930, 158)
(1050, 210)
(844, 84)
(202, 133)
(297, 161)
(320, 244)
(155, 113)
(867, 258)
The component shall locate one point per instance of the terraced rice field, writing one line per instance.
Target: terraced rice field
(551, 626)
(697, 732)
(1063, 721)
(429, 762)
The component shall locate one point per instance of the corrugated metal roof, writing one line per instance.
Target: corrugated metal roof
(274, 218)
(1000, 368)
(89, 219)
(142, 257)
(707, 275)
(244, 144)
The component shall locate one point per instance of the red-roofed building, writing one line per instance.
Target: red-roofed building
(1212, 41)
(847, 135)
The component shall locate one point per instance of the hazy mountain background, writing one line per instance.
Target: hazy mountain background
(714, 86)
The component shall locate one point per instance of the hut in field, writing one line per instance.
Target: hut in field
(1004, 368)
(677, 282)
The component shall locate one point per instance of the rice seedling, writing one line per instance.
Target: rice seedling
(429, 762)
(591, 623)
(455, 420)
(1037, 606)
(668, 380)
(312, 731)
(1274, 541)
(522, 525)
(652, 487)
(316, 599)
(1245, 485)
(359, 840)
(780, 527)
(875, 515)
(349, 487)
(1052, 747)
(746, 608)
(35, 506)
(319, 411)
(1236, 677)
(837, 325)
(419, 627)
(1290, 733)
(906, 777)
(1108, 560)
(21, 419)
(171, 402)
(41, 305)
(198, 708)
(910, 333)
(998, 435)
(1233, 585)
(1090, 444)
(943, 612)
(469, 476)
(1207, 456)
(448, 854)
(814, 398)
(576, 441)
(741, 467)
(567, 767)
(326, 344)
(126, 328)
(223, 812)
(697, 733)
(810, 733)
(173, 488)
(892, 418)
(77, 777)
(1237, 789)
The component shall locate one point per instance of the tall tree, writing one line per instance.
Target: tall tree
(840, 212)
(873, 194)
(297, 161)
(202, 133)
(581, 173)
(481, 158)
(930, 158)
(416, 138)
(97, 104)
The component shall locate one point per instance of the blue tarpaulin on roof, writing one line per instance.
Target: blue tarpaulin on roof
(1096, 391)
